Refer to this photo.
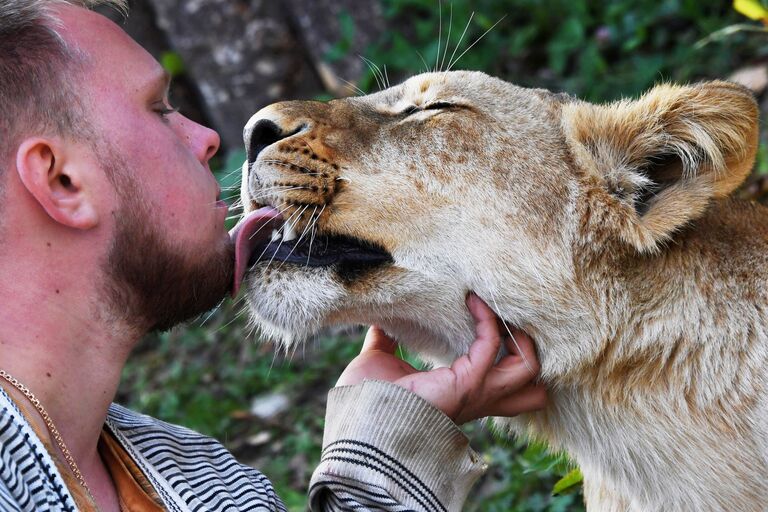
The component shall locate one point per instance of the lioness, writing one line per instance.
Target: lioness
(603, 230)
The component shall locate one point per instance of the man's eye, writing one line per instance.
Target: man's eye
(167, 110)
(164, 108)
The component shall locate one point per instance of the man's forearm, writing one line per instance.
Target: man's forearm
(386, 448)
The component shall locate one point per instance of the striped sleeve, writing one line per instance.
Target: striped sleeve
(387, 449)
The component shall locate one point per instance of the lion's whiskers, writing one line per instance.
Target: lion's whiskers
(315, 220)
(301, 212)
(377, 74)
(265, 225)
(447, 39)
(354, 86)
(506, 327)
(287, 221)
(439, 32)
(308, 172)
(423, 60)
(461, 38)
(238, 169)
(266, 247)
(236, 316)
(453, 62)
(263, 192)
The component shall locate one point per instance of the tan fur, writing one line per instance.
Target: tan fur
(605, 231)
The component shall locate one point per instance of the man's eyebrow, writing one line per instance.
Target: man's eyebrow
(161, 81)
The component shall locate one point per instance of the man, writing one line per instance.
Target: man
(110, 226)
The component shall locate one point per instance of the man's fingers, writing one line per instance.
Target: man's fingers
(520, 347)
(376, 339)
(509, 377)
(483, 351)
(530, 398)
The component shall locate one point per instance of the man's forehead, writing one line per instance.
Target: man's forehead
(105, 46)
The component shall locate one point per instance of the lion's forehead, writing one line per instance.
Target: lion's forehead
(471, 88)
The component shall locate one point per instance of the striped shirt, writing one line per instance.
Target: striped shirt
(384, 449)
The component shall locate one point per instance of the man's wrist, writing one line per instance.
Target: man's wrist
(382, 434)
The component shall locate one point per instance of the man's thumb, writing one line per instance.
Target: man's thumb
(376, 339)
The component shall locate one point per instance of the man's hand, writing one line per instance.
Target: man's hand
(473, 387)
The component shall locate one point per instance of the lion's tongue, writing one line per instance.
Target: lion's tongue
(250, 232)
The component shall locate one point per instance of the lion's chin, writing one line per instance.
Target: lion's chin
(292, 304)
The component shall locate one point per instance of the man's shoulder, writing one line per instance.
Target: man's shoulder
(178, 460)
(135, 425)
(29, 478)
(150, 435)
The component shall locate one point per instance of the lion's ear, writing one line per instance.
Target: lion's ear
(665, 156)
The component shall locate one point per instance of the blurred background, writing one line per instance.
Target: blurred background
(229, 58)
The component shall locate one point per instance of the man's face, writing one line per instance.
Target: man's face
(171, 256)
(151, 280)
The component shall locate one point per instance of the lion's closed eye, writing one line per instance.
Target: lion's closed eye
(440, 105)
(437, 105)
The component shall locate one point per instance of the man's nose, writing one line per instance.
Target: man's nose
(203, 141)
(260, 133)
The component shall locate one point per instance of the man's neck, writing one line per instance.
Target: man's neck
(68, 356)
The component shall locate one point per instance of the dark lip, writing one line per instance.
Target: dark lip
(326, 251)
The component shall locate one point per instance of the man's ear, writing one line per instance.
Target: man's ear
(58, 178)
(664, 157)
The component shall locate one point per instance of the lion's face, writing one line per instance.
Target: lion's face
(414, 179)
(397, 204)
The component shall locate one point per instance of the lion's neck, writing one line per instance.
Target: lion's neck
(670, 378)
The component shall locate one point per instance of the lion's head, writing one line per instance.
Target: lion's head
(393, 206)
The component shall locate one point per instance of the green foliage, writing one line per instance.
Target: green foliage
(596, 50)
(229, 178)
(569, 483)
(346, 38)
(521, 476)
(172, 63)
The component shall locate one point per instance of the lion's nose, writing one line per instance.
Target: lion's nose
(262, 133)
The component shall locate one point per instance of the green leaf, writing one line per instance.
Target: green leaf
(346, 38)
(172, 63)
(569, 38)
(569, 483)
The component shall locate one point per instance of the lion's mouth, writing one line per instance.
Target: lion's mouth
(321, 251)
(263, 236)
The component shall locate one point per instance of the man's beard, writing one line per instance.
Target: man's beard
(153, 285)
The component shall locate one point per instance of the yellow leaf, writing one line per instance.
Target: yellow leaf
(752, 9)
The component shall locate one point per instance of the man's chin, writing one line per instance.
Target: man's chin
(189, 310)
(196, 289)
(155, 286)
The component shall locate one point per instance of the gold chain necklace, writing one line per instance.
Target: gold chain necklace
(51, 428)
